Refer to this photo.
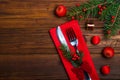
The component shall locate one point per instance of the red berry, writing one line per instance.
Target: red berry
(113, 17)
(95, 40)
(78, 58)
(109, 31)
(84, 10)
(104, 7)
(119, 32)
(105, 69)
(74, 59)
(61, 11)
(112, 20)
(99, 6)
(80, 16)
(73, 17)
(99, 12)
(108, 52)
(77, 4)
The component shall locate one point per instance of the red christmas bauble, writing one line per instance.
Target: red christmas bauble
(108, 52)
(61, 11)
(95, 40)
(105, 69)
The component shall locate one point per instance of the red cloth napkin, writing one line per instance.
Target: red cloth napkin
(75, 73)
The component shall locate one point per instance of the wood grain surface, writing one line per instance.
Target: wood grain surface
(26, 49)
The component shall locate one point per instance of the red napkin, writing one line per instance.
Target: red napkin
(75, 73)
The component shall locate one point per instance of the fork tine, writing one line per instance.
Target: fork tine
(72, 31)
(67, 32)
(71, 35)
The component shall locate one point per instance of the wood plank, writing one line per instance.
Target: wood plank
(45, 67)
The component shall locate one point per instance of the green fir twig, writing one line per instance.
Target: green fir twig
(91, 9)
(68, 55)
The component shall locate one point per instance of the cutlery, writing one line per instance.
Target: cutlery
(74, 42)
(72, 39)
(61, 37)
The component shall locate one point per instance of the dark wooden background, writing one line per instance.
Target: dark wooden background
(26, 49)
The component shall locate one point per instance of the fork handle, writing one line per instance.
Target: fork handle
(77, 51)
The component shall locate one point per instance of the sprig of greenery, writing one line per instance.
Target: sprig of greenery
(90, 8)
(68, 54)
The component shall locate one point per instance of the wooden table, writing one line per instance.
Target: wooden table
(26, 49)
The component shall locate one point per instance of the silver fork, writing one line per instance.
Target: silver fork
(74, 42)
(72, 38)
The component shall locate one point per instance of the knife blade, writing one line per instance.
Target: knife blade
(62, 38)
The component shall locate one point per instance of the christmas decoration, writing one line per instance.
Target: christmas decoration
(90, 26)
(75, 59)
(108, 52)
(95, 40)
(106, 10)
(77, 4)
(61, 11)
(105, 69)
(73, 17)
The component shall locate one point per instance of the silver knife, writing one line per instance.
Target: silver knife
(64, 42)
(61, 37)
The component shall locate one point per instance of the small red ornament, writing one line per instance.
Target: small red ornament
(75, 57)
(113, 17)
(112, 20)
(80, 16)
(99, 6)
(95, 40)
(77, 4)
(119, 32)
(99, 12)
(105, 69)
(109, 31)
(73, 17)
(108, 52)
(104, 7)
(90, 26)
(61, 11)
(84, 9)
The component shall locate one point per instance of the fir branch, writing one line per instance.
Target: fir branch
(116, 16)
(92, 9)
(74, 11)
(68, 54)
(97, 5)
